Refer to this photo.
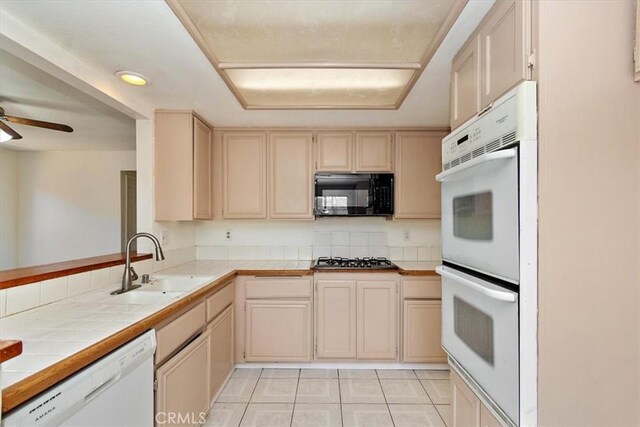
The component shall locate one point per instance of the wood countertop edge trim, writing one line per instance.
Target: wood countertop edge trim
(10, 349)
(418, 273)
(11, 278)
(20, 392)
(283, 273)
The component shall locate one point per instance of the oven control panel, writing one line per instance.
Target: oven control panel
(502, 123)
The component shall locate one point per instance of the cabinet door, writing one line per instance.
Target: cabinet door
(466, 406)
(374, 152)
(291, 175)
(221, 330)
(336, 319)
(278, 331)
(244, 156)
(334, 151)
(465, 83)
(422, 332)
(418, 161)
(183, 384)
(377, 320)
(202, 170)
(487, 419)
(173, 166)
(503, 47)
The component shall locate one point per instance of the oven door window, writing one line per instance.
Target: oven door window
(473, 216)
(474, 328)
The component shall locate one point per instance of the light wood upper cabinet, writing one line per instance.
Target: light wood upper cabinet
(277, 331)
(418, 160)
(183, 382)
(336, 319)
(334, 151)
(291, 175)
(636, 55)
(244, 157)
(183, 167)
(374, 151)
(221, 341)
(465, 82)
(377, 320)
(421, 332)
(202, 170)
(504, 47)
(492, 61)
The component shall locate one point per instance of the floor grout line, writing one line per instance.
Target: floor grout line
(295, 398)
(385, 398)
(250, 397)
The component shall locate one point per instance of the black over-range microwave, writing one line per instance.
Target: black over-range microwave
(355, 194)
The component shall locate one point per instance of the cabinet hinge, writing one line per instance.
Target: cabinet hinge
(531, 61)
(155, 384)
(244, 355)
(396, 350)
(316, 286)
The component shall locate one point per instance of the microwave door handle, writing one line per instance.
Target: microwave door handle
(491, 293)
(496, 155)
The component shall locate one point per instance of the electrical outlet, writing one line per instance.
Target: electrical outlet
(406, 235)
(227, 235)
(165, 237)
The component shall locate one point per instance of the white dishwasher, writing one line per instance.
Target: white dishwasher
(116, 390)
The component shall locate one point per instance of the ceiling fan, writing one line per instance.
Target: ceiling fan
(7, 134)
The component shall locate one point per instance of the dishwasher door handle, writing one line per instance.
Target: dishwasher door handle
(102, 387)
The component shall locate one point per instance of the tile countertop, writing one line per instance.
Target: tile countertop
(56, 331)
(59, 330)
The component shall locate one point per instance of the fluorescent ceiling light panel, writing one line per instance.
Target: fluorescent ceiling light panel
(314, 87)
(346, 54)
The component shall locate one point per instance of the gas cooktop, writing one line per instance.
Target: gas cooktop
(366, 263)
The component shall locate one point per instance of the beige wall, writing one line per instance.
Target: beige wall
(589, 300)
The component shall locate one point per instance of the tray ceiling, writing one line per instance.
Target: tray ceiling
(318, 54)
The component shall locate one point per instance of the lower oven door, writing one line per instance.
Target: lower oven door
(480, 332)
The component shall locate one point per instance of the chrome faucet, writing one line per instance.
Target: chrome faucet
(129, 273)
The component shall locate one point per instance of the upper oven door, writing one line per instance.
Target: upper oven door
(480, 214)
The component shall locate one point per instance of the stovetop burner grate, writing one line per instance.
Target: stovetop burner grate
(366, 263)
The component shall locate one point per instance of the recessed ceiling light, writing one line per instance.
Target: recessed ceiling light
(133, 78)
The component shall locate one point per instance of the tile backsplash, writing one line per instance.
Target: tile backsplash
(25, 297)
(325, 244)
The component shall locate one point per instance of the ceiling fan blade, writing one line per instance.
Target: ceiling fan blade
(5, 127)
(39, 123)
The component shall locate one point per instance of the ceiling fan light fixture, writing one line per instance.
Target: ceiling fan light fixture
(4, 137)
(133, 78)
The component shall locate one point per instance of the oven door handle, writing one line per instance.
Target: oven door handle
(491, 293)
(496, 155)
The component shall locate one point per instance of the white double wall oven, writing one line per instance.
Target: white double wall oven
(489, 252)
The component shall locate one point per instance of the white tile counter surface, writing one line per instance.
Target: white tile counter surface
(56, 331)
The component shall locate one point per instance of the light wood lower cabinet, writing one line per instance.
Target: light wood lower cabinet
(468, 410)
(336, 319)
(422, 325)
(222, 360)
(356, 319)
(183, 385)
(377, 324)
(277, 331)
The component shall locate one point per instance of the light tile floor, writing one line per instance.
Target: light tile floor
(333, 398)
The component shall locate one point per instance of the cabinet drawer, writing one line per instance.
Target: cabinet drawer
(171, 336)
(278, 288)
(421, 289)
(219, 301)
